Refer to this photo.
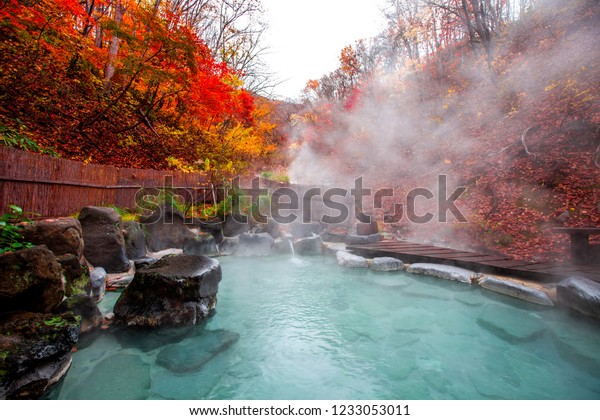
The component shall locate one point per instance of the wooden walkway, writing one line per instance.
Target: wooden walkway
(411, 253)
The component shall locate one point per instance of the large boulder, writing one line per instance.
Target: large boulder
(309, 246)
(580, 294)
(35, 352)
(177, 290)
(30, 280)
(135, 240)
(166, 228)
(254, 244)
(104, 242)
(61, 236)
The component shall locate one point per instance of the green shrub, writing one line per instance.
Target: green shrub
(11, 238)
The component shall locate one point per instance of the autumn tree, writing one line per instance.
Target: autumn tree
(126, 82)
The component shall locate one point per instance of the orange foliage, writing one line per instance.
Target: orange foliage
(166, 98)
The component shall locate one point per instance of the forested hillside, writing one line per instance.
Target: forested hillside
(501, 96)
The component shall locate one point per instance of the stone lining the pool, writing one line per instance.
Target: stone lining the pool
(509, 286)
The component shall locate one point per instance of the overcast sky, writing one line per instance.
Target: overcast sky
(306, 36)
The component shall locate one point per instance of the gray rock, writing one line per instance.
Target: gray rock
(177, 290)
(30, 280)
(62, 236)
(305, 230)
(283, 246)
(35, 351)
(229, 245)
(135, 240)
(166, 228)
(516, 290)
(309, 246)
(345, 259)
(195, 352)
(329, 236)
(233, 227)
(103, 238)
(98, 282)
(201, 245)
(446, 272)
(581, 295)
(512, 325)
(254, 244)
(363, 239)
(386, 264)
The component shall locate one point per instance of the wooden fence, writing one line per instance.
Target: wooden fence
(54, 187)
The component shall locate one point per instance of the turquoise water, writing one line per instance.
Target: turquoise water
(304, 328)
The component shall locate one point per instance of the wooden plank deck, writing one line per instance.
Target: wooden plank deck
(412, 253)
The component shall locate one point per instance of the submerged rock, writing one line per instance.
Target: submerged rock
(195, 352)
(446, 272)
(579, 346)
(119, 377)
(511, 325)
(581, 295)
(35, 352)
(386, 264)
(104, 242)
(345, 259)
(30, 280)
(177, 290)
(516, 290)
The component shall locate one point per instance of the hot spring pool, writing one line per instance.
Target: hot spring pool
(309, 329)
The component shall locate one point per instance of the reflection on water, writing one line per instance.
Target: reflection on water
(304, 328)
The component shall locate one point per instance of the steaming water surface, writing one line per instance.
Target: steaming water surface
(309, 329)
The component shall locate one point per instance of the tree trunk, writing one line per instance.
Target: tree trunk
(113, 48)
